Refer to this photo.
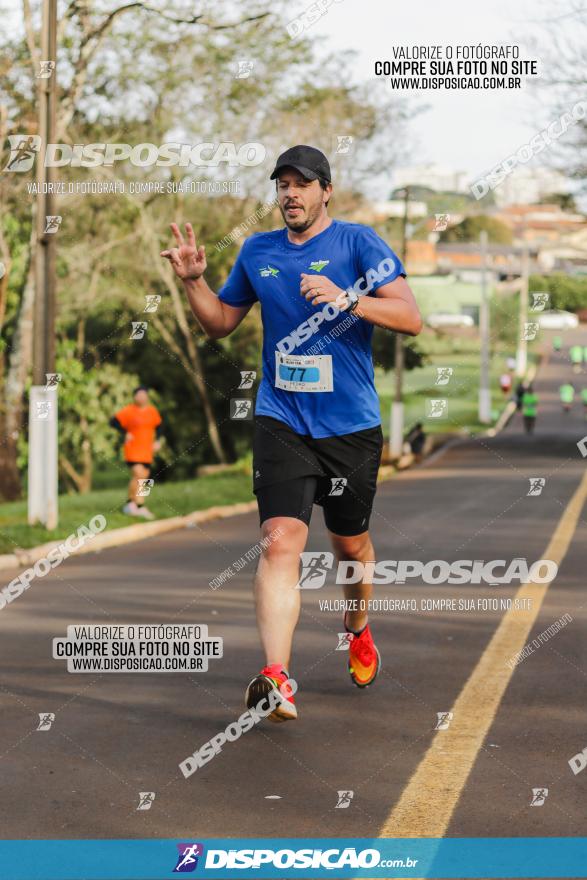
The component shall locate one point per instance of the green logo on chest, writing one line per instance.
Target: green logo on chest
(318, 265)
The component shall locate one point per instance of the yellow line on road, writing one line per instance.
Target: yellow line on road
(427, 803)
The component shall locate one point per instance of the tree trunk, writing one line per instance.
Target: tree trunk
(196, 373)
(19, 361)
(70, 471)
(198, 379)
(87, 461)
(81, 337)
(193, 366)
(10, 488)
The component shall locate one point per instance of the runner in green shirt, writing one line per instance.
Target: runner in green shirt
(567, 395)
(584, 399)
(557, 343)
(576, 356)
(529, 408)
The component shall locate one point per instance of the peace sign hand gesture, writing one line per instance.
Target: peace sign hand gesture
(188, 260)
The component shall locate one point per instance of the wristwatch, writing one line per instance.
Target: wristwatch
(352, 298)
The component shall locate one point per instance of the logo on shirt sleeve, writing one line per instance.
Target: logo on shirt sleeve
(268, 272)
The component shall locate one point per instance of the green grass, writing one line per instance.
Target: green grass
(461, 393)
(165, 500)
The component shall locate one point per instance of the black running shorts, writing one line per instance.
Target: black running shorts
(292, 472)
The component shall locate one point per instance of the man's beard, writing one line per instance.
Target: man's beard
(299, 225)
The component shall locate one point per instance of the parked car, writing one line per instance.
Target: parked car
(557, 319)
(445, 319)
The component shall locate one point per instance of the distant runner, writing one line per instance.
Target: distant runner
(567, 396)
(322, 285)
(505, 383)
(520, 389)
(557, 343)
(140, 425)
(529, 408)
(417, 440)
(576, 356)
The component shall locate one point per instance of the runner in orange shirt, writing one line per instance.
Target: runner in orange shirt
(140, 424)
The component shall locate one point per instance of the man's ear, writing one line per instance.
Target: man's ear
(328, 192)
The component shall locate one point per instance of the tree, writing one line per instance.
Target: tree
(566, 291)
(383, 347)
(99, 49)
(469, 228)
(565, 201)
(563, 37)
(121, 79)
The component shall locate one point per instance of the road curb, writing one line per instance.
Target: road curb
(127, 534)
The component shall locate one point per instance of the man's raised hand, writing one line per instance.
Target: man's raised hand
(188, 260)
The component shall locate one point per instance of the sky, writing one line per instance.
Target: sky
(464, 130)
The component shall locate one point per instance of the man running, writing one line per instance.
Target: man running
(140, 425)
(529, 408)
(322, 285)
(576, 356)
(505, 382)
(567, 396)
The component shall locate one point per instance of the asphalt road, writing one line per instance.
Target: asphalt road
(115, 735)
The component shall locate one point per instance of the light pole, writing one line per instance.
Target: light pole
(396, 427)
(484, 386)
(42, 467)
(522, 351)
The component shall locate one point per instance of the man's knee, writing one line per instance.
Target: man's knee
(353, 546)
(283, 537)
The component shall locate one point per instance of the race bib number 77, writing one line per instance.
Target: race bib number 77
(303, 372)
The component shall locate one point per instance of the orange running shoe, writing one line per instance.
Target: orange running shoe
(364, 658)
(272, 682)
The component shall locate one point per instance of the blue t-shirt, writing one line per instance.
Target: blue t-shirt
(336, 346)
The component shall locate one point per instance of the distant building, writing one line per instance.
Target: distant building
(568, 254)
(436, 177)
(539, 224)
(526, 185)
(421, 258)
(463, 260)
(446, 294)
(396, 208)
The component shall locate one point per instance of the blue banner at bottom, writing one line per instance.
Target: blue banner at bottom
(225, 859)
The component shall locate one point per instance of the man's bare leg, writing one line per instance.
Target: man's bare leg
(277, 600)
(357, 548)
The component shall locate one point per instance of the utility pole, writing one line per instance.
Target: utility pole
(522, 352)
(396, 428)
(484, 381)
(42, 468)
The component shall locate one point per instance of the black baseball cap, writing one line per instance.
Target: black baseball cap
(309, 161)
